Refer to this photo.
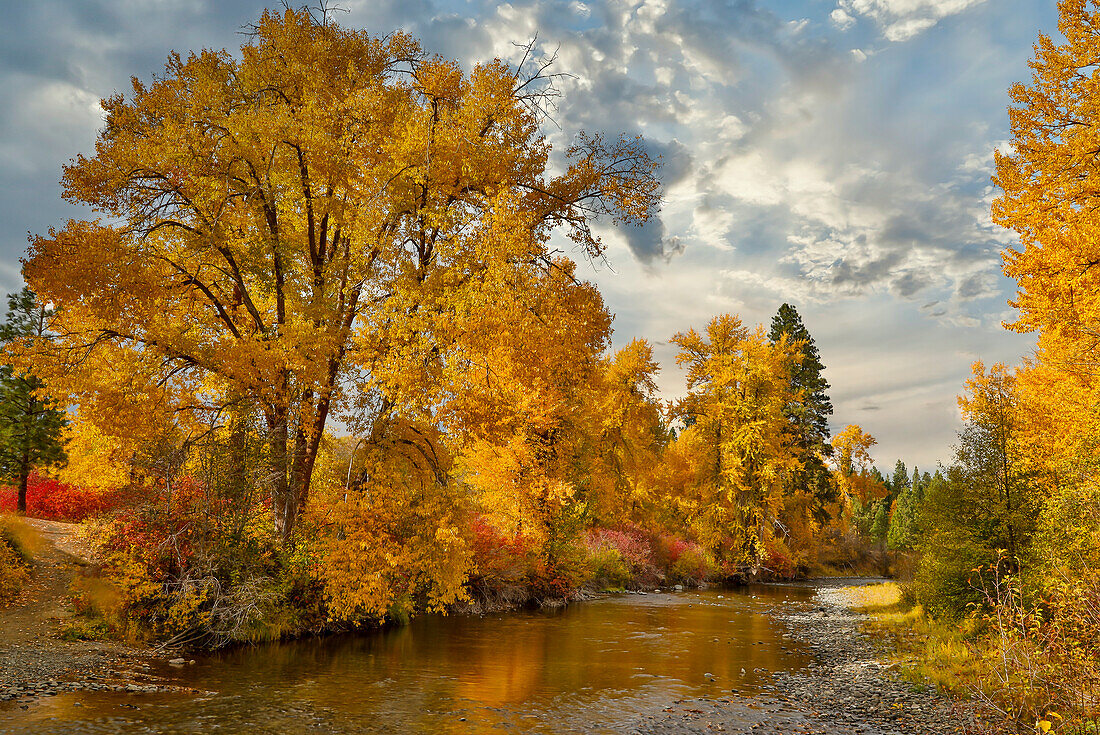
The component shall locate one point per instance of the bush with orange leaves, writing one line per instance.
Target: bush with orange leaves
(14, 561)
(201, 569)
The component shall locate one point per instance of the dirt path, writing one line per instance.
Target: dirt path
(30, 647)
(38, 611)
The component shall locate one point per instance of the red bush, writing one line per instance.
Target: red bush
(633, 546)
(59, 501)
(779, 560)
(499, 559)
(682, 560)
(162, 533)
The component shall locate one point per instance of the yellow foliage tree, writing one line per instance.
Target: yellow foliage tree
(402, 532)
(96, 459)
(738, 385)
(629, 436)
(854, 467)
(325, 211)
(1049, 194)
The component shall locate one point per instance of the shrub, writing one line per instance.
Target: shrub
(943, 582)
(779, 560)
(634, 552)
(500, 561)
(609, 570)
(13, 573)
(60, 501)
(682, 561)
(14, 561)
(196, 568)
(1041, 659)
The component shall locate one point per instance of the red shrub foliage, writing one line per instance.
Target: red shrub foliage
(669, 549)
(682, 560)
(633, 545)
(163, 533)
(779, 559)
(59, 501)
(499, 559)
(559, 578)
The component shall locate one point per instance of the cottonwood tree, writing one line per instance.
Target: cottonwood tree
(738, 386)
(1048, 192)
(310, 228)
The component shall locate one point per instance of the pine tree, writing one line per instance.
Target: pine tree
(30, 426)
(881, 522)
(900, 481)
(809, 419)
(812, 416)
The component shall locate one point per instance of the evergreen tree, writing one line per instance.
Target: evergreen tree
(809, 420)
(30, 426)
(900, 480)
(904, 524)
(881, 522)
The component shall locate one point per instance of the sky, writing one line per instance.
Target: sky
(832, 154)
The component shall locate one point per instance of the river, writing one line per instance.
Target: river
(593, 667)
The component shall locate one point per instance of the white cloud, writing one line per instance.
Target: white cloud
(900, 19)
(841, 19)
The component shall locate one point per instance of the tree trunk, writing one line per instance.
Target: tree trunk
(24, 477)
(282, 500)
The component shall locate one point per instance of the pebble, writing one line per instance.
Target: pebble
(847, 690)
(849, 685)
(33, 690)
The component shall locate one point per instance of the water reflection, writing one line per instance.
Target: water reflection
(592, 667)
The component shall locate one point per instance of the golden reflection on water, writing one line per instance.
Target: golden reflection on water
(590, 667)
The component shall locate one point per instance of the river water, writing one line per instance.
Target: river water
(599, 666)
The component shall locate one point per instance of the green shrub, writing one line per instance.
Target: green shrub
(944, 582)
(691, 567)
(609, 569)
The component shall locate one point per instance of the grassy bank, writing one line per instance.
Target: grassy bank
(1015, 685)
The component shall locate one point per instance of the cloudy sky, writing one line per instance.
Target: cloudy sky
(833, 154)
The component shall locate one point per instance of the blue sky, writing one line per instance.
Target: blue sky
(833, 154)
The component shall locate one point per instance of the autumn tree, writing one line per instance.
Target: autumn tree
(31, 424)
(738, 387)
(854, 469)
(809, 416)
(309, 229)
(989, 462)
(984, 511)
(1048, 196)
(517, 401)
(630, 436)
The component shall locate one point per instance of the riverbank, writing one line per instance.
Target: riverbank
(852, 685)
(849, 689)
(35, 660)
